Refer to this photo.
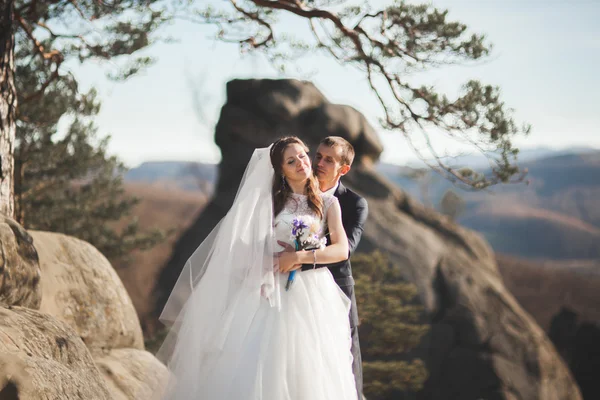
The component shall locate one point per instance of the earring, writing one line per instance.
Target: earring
(282, 181)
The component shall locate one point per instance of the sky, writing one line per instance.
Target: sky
(545, 60)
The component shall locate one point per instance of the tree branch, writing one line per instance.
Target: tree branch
(55, 58)
(390, 44)
(53, 55)
(254, 16)
(78, 9)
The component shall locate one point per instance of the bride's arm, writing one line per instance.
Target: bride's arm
(336, 251)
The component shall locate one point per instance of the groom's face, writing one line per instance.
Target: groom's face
(328, 164)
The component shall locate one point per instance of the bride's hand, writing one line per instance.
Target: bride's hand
(288, 261)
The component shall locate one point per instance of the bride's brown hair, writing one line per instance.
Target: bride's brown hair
(281, 190)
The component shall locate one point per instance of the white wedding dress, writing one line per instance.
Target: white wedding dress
(297, 351)
(309, 339)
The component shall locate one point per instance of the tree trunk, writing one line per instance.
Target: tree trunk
(8, 103)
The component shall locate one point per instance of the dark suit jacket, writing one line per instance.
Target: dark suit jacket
(354, 214)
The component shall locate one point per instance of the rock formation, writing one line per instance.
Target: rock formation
(482, 344)
(84, 341)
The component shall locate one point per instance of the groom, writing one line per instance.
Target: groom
(333, 160)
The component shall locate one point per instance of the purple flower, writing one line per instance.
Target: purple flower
(298, 225)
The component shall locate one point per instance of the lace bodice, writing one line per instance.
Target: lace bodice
(297, 208)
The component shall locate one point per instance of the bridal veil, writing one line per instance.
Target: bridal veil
(233, 266)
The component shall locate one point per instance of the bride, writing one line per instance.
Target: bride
(243, 325)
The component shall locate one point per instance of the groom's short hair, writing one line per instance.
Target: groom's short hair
(341, 143)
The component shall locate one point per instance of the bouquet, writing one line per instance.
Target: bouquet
(306, 235)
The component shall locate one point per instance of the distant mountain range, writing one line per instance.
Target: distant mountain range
(525, 155)
(556, 216)
(563, 168)
(191, 176)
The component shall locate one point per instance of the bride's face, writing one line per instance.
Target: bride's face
(296, 163)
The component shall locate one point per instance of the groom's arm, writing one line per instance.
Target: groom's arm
(354, 229)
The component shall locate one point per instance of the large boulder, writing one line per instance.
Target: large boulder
(132, 374)
(482, 345)
(43, 358)
(80, 287)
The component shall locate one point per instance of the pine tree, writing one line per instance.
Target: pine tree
(390, 326)
(66, 181)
